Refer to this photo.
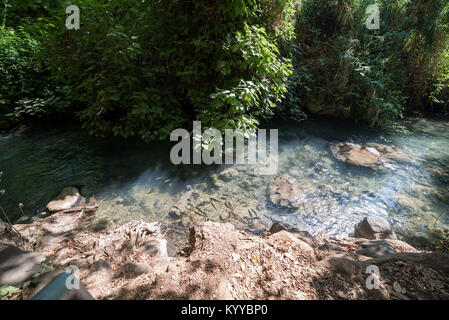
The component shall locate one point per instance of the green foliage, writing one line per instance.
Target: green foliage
(145, 68)
(343, 69)
(17, 70)
(8, 291)
(26, 91)
(440, 95)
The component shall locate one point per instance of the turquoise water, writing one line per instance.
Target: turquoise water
(137, 181)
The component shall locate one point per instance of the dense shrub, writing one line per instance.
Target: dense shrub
(145, 68)
(344, 69)
(27, 91)
(439, 96)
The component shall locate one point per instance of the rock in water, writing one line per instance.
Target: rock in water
(356, 155)
(228, 174)
(17, 266)
(389, 153)
(374, 228)
(67, 199)
(284, 191)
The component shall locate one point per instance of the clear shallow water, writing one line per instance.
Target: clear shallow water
(137, 181)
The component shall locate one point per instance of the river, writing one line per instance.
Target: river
(137, 181)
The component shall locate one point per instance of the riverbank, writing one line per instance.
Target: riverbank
(220, 262)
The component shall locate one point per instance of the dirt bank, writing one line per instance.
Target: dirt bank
(220, 262)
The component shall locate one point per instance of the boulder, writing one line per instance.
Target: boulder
(69, 197)
(283, 191)
(374, 228)
(383, 247)
(18, 266)
(376, 248)
(357, 155)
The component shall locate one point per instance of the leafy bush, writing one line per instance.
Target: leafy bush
(440, 95)
(26, 91)
(145, 68)
(343, 69)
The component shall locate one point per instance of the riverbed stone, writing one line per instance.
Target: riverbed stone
(284, 191)
(69, 197)
(18, 266)
(228, 174)
(374, 228)
(390, 153)
(357, 155)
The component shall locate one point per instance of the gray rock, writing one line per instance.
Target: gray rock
(18, 266)
(376, 248)
(131, 270)
(284, 191)
(374, 228)
(68, 198)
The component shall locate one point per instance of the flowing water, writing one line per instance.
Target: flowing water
(137, 181)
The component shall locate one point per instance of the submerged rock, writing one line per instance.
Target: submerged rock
(389, 153)
(69, 197)
(357, 155)
(284, 191)
(374, 228)
(228, 174)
